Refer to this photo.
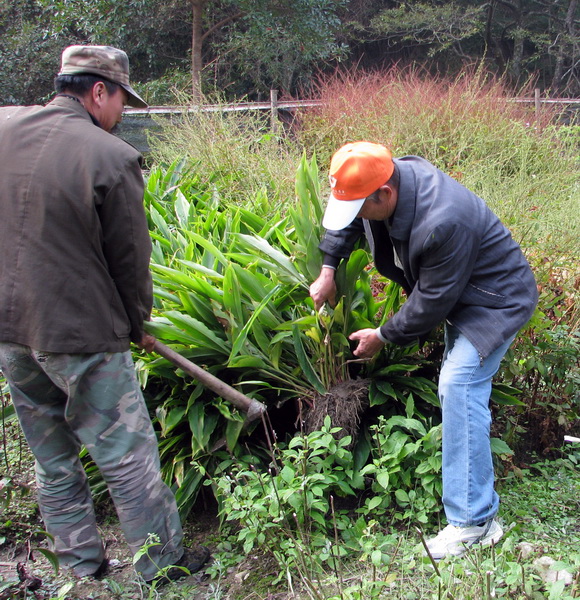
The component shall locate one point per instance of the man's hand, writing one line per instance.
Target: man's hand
(324, 288)
(368, 343)
(147, 342)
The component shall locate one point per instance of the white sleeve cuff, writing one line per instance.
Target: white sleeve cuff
(380, 335)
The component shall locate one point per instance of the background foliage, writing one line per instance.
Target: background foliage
(248, 47)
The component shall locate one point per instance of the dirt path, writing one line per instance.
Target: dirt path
(26, 573)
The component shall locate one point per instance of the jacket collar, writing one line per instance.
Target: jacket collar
(402, 220)
(73, 105)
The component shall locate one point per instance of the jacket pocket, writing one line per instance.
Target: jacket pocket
(119, 319)
(479, 296)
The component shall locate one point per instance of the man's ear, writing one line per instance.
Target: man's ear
(98, 93)
(391, 193)
(387, 189)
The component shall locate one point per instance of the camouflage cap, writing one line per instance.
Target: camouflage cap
(104, 61)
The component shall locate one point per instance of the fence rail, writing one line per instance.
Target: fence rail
(274, 105)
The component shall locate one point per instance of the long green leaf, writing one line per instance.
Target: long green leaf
(279, 258)
(198, 331)
(305, 364)
(232, 297)
(174, 279)
(243, 335)
(208, 246)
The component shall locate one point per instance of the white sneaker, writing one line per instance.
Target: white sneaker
(454, 541)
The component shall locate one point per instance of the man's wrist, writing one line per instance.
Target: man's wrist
(380, 335)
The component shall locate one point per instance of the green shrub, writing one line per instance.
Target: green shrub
(231, 290)
(291, 510)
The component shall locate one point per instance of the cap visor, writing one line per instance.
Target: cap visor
(341, 213)
(134, 99)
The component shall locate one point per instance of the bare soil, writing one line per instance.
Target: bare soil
(31, 575)
(344, 403)
(26, 573)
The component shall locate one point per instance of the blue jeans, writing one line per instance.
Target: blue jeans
(469, 497)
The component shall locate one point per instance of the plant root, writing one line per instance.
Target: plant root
(344, 403)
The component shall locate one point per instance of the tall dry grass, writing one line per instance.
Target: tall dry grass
(471, 128)
(237, 152)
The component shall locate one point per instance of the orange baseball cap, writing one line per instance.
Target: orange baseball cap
(356, 171)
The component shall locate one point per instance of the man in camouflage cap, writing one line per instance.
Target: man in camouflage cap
(75, 290)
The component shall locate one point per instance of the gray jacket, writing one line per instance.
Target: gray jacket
(458, 261)
(74, 241)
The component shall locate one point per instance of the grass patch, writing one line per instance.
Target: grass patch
(236, 152)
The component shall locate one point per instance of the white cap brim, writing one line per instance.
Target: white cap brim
(341, 213)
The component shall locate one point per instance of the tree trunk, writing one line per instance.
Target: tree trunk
(518, 55)
(491, 44)
(567, 38)
(196, 45)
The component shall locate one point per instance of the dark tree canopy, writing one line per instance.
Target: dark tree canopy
(243, 48)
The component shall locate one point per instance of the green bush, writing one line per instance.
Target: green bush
(292, 511)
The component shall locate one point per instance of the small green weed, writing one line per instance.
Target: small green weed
(382, 557)
(286, 511)
(406, 469)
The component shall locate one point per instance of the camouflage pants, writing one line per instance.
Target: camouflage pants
(66, 400)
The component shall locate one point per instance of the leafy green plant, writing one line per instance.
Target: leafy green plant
(161, 577)
(291, 511)
(405, 468)
(544, 366)
(294, 498)
(231, 291)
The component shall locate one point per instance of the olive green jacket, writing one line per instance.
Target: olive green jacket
(74, 241)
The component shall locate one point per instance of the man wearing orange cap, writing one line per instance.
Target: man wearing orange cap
(75, 290)
(459, 265)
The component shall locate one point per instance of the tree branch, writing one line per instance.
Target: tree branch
(222, 23)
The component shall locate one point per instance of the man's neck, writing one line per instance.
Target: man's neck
(79, 100)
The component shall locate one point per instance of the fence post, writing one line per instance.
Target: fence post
(274, 123)
(537, 102)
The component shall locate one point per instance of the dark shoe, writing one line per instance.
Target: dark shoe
(102, 570)
(193, 560)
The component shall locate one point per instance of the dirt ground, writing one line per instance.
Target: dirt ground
(30, 574)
